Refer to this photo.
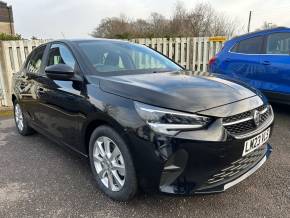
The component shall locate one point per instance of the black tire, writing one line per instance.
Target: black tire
(26, 130)
(129, 189)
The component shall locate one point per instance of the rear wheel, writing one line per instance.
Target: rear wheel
(20, 121)
(112, 165)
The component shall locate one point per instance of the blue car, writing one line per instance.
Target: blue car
(261, 59)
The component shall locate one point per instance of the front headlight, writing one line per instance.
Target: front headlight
(169, 121)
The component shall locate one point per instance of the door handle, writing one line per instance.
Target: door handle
(22, 85)
(266, 62)
(227, 59)
(40, 90)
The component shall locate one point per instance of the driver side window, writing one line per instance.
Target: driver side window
(60, 54)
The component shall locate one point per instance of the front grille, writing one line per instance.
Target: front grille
(237, 117)
(240, 166)
(243, 123)
(265, 116)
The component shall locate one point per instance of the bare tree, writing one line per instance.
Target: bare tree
(178, 21)
(266, 25)
(115, 27)
(202, 20)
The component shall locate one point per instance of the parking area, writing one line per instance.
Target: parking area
(39, 178)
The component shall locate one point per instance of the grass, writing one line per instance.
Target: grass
(6, 112)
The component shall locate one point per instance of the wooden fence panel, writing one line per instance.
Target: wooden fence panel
(193, 53)
(12, 57)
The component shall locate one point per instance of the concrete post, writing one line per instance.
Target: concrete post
(3, 79)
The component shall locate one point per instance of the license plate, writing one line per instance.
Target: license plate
(254, 143)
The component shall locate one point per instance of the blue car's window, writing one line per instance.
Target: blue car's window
(108, 56)
(278, 43)
(249, 46)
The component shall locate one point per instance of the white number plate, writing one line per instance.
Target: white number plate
(254, 143)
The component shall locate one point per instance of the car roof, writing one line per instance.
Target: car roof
(260, 32)
(88, 40)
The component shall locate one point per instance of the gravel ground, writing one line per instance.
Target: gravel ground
(41, 179)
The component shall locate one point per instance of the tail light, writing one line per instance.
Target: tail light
(212, 60)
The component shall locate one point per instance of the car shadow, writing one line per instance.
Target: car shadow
(283, 109)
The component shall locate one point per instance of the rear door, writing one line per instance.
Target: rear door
(243, 61)
(276, 62)
(27, 84)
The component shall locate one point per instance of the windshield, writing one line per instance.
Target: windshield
(123, 57)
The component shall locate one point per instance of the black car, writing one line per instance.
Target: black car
(141, 119)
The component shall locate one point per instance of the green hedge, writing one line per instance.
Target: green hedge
(7, 37)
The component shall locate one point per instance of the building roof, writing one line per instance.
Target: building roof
(6, 14)
(3, 4)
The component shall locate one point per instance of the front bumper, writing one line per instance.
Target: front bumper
(219, 181)
(195, 162)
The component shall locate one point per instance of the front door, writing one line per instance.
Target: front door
(277, 64)
(60, 103)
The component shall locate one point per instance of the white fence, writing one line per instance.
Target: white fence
(12, 56)
(192, 53)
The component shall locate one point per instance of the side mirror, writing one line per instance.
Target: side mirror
(60, 72)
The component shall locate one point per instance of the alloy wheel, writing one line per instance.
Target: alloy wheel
(109, 163)
(19, 117)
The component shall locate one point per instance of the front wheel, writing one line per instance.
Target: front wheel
(111, 164)
(20, 121)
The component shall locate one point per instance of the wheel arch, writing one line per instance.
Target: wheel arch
(13, 98)
(96, 122)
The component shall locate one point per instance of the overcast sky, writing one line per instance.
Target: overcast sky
(77, 18)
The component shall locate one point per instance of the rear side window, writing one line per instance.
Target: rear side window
(278, 43)
(249, 46)
(35, 60)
